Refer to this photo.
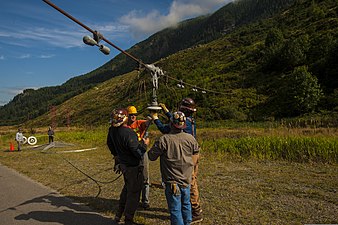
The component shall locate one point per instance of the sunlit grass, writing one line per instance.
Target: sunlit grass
(246, 176)
(297, 149)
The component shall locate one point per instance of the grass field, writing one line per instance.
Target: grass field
(247, 175)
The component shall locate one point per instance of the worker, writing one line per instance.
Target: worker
(50, 133)
(128, 152)
(140, 127)
(188, 107)
(19, 138)
(176, 150)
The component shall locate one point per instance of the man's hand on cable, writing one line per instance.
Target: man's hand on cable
(165, 109)
(154, 115)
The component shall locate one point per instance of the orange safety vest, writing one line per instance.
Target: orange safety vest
(139, 126)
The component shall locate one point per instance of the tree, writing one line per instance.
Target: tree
(294, 52)
(274, 38)
(300, 93)
(273, 43)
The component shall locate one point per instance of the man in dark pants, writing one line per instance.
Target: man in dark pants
(140, 127)
(128, 152)
(50, 135)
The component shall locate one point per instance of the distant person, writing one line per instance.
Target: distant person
(19, 138)
(128, 153)
(50, 135)
(140, 128)
(188, 107)
(176, 150)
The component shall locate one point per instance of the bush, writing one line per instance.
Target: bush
(300, 93)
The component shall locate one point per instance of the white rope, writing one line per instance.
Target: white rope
(79, 150)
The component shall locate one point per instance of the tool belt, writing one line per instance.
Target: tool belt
(175, 188)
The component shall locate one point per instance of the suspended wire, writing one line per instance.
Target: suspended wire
(172, 89)
(181, 84)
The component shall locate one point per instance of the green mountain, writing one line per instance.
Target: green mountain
(275, 67)
(33, 103)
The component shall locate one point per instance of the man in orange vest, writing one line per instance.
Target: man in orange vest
(140, 127)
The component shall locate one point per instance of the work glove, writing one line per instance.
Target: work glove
(165, 109)
(154, 115)
(117, 167)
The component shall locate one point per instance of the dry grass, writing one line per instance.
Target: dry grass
(233, 191)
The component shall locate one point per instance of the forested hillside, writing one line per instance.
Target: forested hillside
(277, 67)
(201, 30)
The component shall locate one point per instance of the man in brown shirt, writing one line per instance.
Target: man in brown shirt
(175, 151)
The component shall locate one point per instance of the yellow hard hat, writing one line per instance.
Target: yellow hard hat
(132, 110)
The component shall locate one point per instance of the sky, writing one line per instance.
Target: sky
(40, 47)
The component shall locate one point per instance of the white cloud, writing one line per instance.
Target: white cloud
(14, 90)
(140, 24)
(24, 56)
(46, 56)
(2, 57)
(64, 38)
(7, 93)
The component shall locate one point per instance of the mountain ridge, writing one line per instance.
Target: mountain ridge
(229, 27)
(265, 70)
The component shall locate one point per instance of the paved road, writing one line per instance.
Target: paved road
(26, 202)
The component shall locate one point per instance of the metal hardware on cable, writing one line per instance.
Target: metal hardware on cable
(155, 72)
(97, 37)
(180, 85)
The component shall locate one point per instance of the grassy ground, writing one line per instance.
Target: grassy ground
(234, 190)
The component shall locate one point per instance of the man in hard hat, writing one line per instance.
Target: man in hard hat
(176, 150)
(188, 107)
(140, 127)
(128, 153)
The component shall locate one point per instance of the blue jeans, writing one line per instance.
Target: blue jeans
(178, 204)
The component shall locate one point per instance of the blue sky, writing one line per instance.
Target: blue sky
(40, 47)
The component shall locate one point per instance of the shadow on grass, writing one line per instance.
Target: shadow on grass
(103, 205)
(59, 209)
(153, 213)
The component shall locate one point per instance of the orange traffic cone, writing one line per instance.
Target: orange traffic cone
(11, 146)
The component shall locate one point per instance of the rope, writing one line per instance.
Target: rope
(97, 182)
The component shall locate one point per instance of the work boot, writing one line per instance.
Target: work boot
(197, 217)
(145, 205)
(132, 223)
(118, 216)
(117, 219)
